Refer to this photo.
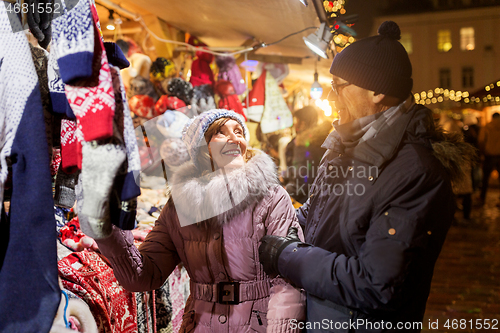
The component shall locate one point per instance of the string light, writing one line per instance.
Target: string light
(439, 95)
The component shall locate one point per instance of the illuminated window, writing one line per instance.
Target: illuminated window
(467, 39)
(445, 78)
(444, 40)
(406, 41)
(468, 77)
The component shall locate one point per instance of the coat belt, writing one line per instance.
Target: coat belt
(247, 291)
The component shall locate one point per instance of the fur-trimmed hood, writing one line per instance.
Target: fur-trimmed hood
(221, 194)
(455, 155)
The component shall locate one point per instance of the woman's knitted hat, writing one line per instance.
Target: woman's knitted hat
(378, 63)
(193, 134)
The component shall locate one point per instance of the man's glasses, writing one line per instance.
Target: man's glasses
(337, 86)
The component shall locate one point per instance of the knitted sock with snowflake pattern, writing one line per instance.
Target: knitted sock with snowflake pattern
(69, 146)
(58, 98)
(73, 42)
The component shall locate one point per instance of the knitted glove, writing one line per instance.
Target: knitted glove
(64, 195)
(39, 16)
(271, 248)
(94, 228)
(100, 164)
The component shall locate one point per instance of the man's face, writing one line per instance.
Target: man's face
(351, 101)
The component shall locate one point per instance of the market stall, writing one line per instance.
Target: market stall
(94, 101)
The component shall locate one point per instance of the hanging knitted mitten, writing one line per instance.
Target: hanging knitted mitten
(100, 164)
(94, 228)
(65, 189)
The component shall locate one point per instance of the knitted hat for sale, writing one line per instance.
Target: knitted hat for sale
(378, 63)
(172, 123)
(142, 106)
(193, 134)
(162, 69)
(203, 99)
(166, 102)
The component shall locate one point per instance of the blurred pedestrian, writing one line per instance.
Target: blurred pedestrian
(304, 152)
(489, 146)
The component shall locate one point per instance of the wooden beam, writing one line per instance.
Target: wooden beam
(274, 59)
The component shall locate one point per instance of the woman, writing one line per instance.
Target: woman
(223, 202)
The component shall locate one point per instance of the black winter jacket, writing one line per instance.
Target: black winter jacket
(377, 225)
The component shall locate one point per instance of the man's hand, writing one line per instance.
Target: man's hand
(271, 248)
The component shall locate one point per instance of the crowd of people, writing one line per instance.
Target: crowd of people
(485, 140)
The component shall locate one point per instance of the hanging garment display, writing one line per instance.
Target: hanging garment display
(201, 73)
(278, 71)
(228, 98)
(228, 70)
(277, 115)
(256, 98)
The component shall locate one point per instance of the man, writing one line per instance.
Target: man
(489, 145)
(381, 205)
(304, 153)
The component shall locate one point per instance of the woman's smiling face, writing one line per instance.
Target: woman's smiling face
(228, 145)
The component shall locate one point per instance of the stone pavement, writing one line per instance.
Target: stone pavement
(465, 290)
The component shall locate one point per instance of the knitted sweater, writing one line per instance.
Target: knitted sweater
(29, 291)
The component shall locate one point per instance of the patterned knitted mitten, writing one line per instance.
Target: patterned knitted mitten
(94, 228)
(100, 164)
(65, 189)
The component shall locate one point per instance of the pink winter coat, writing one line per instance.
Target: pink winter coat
(222, 250)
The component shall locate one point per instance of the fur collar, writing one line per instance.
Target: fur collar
(221, 194)
(455, 155)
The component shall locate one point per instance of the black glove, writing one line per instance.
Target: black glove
(271, 248)
(39, 18)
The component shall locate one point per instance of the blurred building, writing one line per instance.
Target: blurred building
(454, 47)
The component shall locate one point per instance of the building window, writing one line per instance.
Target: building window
(445, 78)
(406, 41)
(467, 39)
(468, 77)
(444, 40)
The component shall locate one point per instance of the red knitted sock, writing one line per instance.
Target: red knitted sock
(69, 146)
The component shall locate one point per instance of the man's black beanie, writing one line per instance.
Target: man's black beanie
(378, 63)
